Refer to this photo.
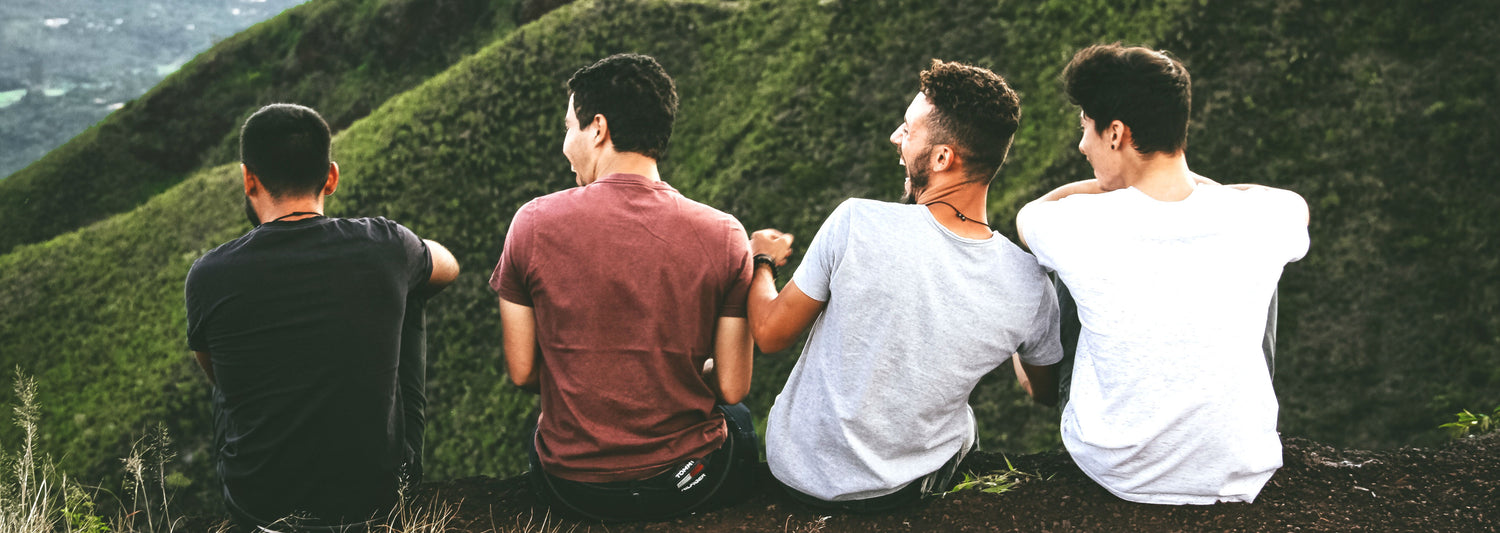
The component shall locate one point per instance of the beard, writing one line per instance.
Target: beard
(250, 214)
(918, 173)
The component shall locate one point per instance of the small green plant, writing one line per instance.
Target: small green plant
(1466, 423)
(79, 512)
(997, 482)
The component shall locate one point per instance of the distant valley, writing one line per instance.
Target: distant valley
(66, 65)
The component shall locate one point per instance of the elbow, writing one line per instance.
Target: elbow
(734, 396)
(767, 338)
(770, 343)
(525, 380)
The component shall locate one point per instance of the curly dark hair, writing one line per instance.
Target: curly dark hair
(1147, 90)
(288, 147)
(976, 112)
(634, 94)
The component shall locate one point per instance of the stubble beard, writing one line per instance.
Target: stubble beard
(250, 213)
(918, 173)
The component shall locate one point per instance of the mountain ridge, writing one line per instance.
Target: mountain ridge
(1388, 325)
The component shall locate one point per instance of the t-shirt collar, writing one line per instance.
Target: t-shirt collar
(635, 179)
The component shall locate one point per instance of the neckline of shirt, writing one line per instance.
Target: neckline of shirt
(292, 223)
(635, 179)
(932, 219)
(1191, 197)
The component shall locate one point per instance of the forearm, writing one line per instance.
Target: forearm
(1039, 382)
(1077, 187)
(518, 327)
(733, 362)
(776, 318)
(444, 268)
(205, 361)
(762, 303)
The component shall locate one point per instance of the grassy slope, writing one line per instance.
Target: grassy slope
(344, 57)
(97, 316)
(785, 111)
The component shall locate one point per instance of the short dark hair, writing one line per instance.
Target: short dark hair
(287, 146)
(634, 94)
(1145, 89)
(975, 111)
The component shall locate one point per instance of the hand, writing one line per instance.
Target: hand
(773, 243)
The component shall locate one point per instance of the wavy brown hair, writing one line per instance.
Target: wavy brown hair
(976, 112)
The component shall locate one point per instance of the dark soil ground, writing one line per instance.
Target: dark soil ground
(1452, 488)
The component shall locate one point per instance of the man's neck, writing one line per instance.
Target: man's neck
(285, 207)
(969, 198)
(1165, 178)
(628, 163)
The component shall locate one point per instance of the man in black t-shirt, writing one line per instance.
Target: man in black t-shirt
(301, 325)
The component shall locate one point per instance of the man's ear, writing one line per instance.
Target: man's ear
(1119, 134)
(333, 179)
(943, 158)
(252, 182)
(601, 129)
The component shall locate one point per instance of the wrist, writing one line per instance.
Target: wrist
(765, 259)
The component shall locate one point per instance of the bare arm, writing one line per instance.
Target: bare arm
(518, 325)
(1040, 382)
(1077, 187)
(444, 267)
(206, 362)
(734, 357)
(777, 319)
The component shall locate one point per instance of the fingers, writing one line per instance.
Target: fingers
(773, 243)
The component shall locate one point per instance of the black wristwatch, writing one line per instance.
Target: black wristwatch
(763, 259)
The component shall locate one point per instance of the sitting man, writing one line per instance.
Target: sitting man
(615, 297)
(1171, 399)
(910, 305)
(299, 324)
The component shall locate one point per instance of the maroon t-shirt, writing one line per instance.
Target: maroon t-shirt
(627, 278)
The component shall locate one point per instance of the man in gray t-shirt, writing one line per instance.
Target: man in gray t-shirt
(910, 305)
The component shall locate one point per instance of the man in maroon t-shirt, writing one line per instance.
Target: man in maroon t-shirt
(623, 304)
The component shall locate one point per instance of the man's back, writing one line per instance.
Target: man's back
(303, 319)
(1171, 399)
(627, 278)
(915, 316)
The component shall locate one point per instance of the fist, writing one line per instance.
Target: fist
(771, 242)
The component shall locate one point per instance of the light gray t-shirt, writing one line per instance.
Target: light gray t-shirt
(1170, 401)
(915, 316)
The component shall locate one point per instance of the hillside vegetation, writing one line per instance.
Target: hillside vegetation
(1383, 118)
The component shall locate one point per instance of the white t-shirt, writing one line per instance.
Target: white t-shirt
(1171, 399)
(916, 315)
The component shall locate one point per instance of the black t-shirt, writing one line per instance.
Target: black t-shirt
(303, 321)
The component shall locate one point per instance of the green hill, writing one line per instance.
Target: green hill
(1382, 118)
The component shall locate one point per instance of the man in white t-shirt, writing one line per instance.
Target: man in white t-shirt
(1171, 401)
(909, 306)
